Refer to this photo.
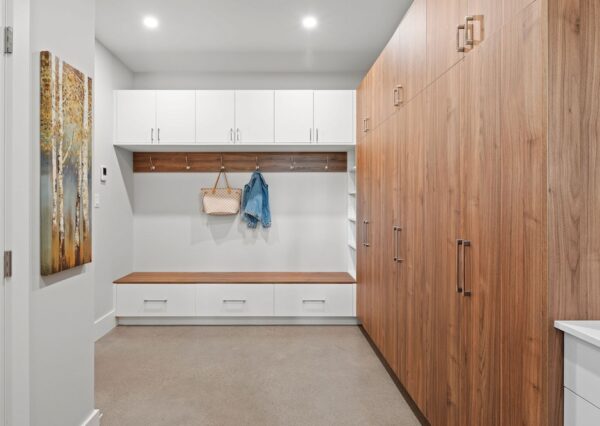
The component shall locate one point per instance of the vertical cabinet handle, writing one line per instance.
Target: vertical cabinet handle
(466, 243)
(152, 135)
(365, 232)
(395, 97)
(310, 134)
(459, 48)
(459, 244)
(158, 134)
(317, 134)
(469, 40)
(397, 257)
(237, 134)
(231, 134)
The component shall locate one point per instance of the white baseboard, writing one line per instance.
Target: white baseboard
(104, 324)
(93, 419)
(238, 321)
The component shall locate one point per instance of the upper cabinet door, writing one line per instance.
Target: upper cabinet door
(254, 115)
(215, 116)
(334, 116)
(294, 116)
(135, 117)
(411, 48)
(443, 17)
(176, 116)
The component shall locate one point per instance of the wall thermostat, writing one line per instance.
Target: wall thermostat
(103, 173)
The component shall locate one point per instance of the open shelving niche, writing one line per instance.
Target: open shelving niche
(351, 200)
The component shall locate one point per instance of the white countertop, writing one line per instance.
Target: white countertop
(588, 331)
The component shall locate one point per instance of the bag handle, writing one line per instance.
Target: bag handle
(214, 189)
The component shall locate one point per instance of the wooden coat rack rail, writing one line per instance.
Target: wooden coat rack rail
(182, 162)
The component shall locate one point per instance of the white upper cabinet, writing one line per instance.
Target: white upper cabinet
(135, 117)
(215, 116)
(334, 116)
(254, 116)
(175, 116)
(294, 116)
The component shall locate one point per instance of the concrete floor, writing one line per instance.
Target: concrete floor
(247, 375)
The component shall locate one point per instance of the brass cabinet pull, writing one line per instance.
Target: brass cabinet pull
(459, 48)
(466, 243)
(468, 40)
(459, 243)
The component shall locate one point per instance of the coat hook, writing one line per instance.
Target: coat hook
(187, 163)
(292, 163)
(327, 164)
(222, 166)
(257, 166)
(152, 167)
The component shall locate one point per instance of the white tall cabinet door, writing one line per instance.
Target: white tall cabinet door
(294, 116)
(135, 117)
(254, 116)
(334, 122)
(215, 116)
(176, 116)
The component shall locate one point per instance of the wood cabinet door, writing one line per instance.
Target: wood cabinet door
(418, 288)
(364, 98)
(215, 116)
(411, 56)
(443, 217)
(333, 112)
(387, 98)
(480, 225)
(363, 302)
(443, 16)
(294, 116)
(176, 116)
(254, 116)
(135, 117)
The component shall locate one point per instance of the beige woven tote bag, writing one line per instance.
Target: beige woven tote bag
(221, 201)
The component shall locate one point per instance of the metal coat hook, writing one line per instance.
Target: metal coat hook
(222, 166)
(327, 164)
(292, 163)
(152, 167)
(187, 163)
(257, 166)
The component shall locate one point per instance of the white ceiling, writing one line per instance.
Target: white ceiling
(248, 35)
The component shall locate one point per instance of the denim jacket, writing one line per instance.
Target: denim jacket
(255, 205)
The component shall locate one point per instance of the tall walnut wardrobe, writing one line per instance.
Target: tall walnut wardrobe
(478, 141)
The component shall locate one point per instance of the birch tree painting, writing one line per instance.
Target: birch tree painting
(66, 150)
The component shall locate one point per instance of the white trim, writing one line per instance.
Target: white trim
(237, 321)
(93, 419)
(104, 324)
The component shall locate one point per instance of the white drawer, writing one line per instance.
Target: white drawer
(149, 300)
(579, 412)
(234, 300)
(320, 300)
(582, 369)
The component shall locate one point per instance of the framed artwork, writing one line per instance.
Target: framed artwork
(66, 129)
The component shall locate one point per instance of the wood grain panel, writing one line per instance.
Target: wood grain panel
(480, 223)
(236, 277)
(443, 160)
(524, 220)
(411, 59)
(194, 162)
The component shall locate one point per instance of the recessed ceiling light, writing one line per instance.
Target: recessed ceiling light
(309, 22)
(150, 22)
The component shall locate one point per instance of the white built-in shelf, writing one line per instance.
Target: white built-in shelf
(271, 147)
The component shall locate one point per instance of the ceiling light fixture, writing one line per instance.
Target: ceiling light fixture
(150, 22)
(309, 22)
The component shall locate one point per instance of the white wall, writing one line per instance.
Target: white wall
(166, 80)
(113, 219)
(62, 305)
(308, 233)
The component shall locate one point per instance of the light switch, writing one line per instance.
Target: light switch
(96, 200)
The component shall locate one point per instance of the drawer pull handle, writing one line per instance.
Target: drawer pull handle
(234, 300)
(313, 300)
(155, 300)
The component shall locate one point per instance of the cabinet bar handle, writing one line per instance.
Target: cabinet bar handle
(234, 300)
(468, 40)
(466, 243)
(231, 135)
(459, 243)
(395, 96)
(310, 134)
(237, 134)
(317, 134)
(459, 48)
(156, 300)
(313, 300)
(400, 98)
(152, 135)
(367, 234)
(397, 230)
